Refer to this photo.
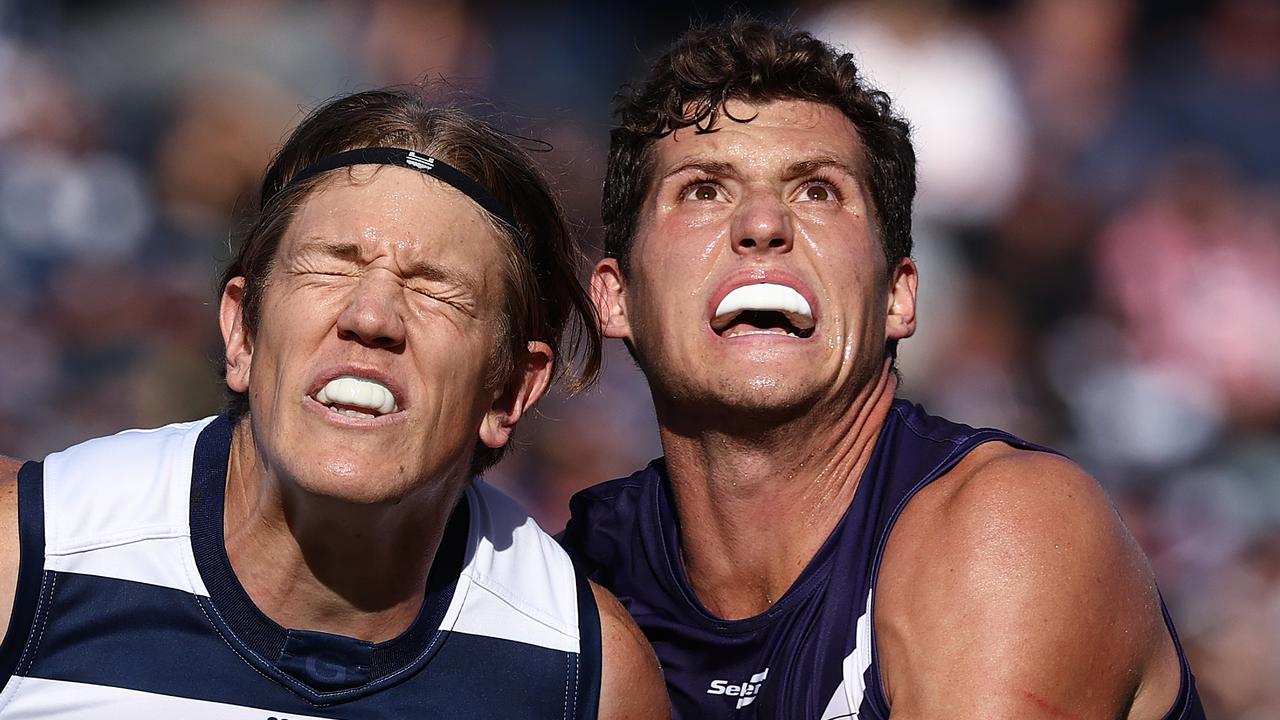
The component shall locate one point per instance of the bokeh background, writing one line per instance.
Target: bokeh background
(1098, 232)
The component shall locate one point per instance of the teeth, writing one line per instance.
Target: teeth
(764, 296)
(755, 331)
(357, 392)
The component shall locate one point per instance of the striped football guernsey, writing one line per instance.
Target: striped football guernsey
(127, 606)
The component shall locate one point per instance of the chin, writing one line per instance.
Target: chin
(766, 398)
(769, 387)
(353, 481)
(769, 408)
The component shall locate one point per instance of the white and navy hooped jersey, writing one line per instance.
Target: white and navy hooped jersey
(127, 606)
(812, 655)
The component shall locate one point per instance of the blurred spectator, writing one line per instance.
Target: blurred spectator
(1193, 272)
(410, 40)
(954, 88)
(1214, 83)
(1073, 59)
(210, 156)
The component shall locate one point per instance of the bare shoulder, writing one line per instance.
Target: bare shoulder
(1014, 574)
(9, 470)
(631, 684)
(1032, 501)
(9, 500)
(9, 549)
(1010, 510)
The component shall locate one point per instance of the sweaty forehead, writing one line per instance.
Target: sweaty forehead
(775, 134)
(395, 210)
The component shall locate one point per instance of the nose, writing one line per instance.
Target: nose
(762, 224)
(374, 313)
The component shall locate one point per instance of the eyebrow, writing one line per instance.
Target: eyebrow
(426, 270)
(795, 170)
(709, 167)
(339, 250)
(423, 269)
(808, 167)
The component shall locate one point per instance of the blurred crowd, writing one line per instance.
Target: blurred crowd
(1097, 230)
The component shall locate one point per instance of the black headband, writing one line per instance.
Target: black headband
(424, 164)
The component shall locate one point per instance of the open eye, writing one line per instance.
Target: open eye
(818, 191)
(704, 191)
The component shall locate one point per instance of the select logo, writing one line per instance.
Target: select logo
(745, 692)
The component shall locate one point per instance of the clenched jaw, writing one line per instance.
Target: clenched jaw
(763, 308)
(357, 397)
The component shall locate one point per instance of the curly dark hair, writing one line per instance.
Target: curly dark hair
(755, 61)
(545, 298)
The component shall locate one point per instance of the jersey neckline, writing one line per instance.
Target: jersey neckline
(810, 579)
(323, 668)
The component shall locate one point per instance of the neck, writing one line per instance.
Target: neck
(754, 510)
(310, 562)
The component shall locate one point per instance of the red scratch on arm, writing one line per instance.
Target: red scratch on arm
(1048, 707)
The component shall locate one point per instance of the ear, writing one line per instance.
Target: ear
(608, 292)
(900, 322)
(235, 336)
(528, 383)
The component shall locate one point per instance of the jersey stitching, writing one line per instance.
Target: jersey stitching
(228, 643)
(191, 570)
(566, 688)
(133, 537)
(503, 593)
(12, 692)
(435, 640)
(920, 433)
(300, 687)
(623, 486)
(498, 589)
(577, 677)
(178, 433)
(29, 649)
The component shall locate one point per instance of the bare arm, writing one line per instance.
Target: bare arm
(9, 551)
(1011, 589)
(631, 684)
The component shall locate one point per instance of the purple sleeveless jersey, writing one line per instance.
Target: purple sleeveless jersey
(811, 655)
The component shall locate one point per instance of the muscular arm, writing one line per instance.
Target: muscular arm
(1011, 589)
(9, 552)
(631, 683)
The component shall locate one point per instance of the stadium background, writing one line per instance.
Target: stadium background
(1098, 232)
